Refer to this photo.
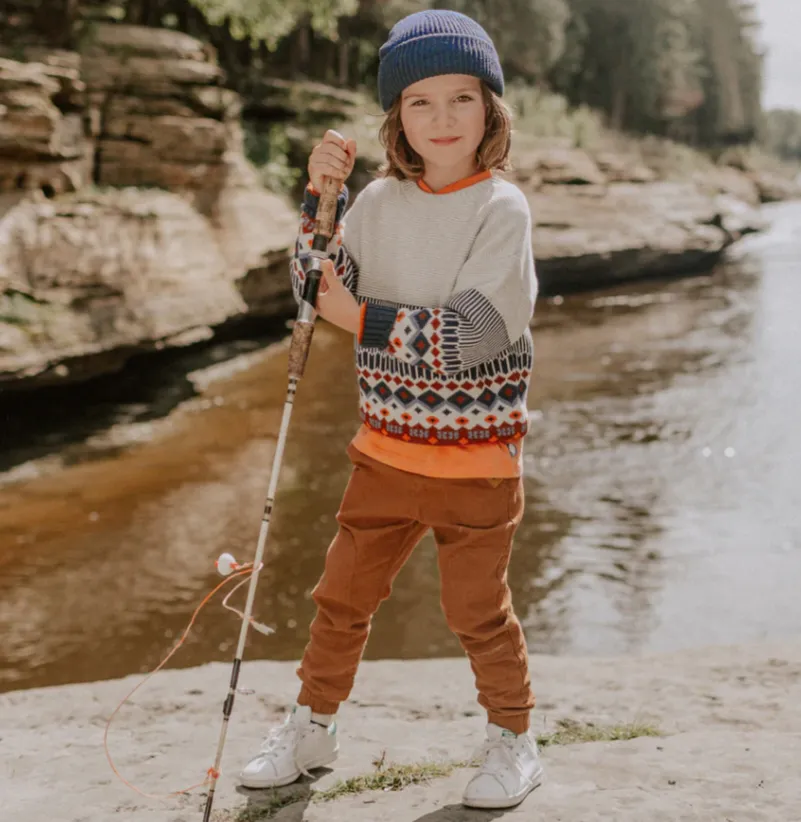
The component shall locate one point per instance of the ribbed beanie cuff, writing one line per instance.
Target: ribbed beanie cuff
(431, 43)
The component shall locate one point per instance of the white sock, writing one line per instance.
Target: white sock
(322, 719)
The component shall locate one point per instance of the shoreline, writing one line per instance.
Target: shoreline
(728, 716)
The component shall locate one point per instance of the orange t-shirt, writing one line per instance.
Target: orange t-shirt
(493, 460)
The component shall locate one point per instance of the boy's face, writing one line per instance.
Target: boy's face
(443, 118)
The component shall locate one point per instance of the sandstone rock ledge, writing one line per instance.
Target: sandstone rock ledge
(729, 718)
(129, 217)
(90, 278)
(595, 235)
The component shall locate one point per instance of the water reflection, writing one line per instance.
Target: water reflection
(662, 486)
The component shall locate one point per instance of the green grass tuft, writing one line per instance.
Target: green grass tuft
(570, 732)
(390, 778)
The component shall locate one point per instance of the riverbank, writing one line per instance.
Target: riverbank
(728, 719)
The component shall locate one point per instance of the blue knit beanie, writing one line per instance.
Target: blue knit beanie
(429, 43)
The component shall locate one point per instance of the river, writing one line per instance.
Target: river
(662, 471)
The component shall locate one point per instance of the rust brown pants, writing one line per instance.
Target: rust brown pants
(384, 514)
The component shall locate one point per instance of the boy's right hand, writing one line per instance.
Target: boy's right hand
(333, 157)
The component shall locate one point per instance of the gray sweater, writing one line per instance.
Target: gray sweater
(445, 355)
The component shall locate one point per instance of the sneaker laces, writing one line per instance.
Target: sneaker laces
(498, 756)
(285, 734)
(279, 737)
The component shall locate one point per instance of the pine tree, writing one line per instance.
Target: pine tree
(686, 68)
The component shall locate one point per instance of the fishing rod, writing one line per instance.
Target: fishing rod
(302, 334)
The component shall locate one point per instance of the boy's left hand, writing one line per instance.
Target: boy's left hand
(335, 303)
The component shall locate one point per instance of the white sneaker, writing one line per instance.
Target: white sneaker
(293, 748)
(511, 769)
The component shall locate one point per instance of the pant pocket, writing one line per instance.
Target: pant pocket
(479, 503)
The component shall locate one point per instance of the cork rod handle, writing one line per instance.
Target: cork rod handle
(327, 209)
(303, 330)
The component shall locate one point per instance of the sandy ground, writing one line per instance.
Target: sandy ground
(731, 750)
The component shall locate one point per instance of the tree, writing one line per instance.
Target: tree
(733, 71)
(270, 20)
(634, 59)
(686, 68)
(529, 34)
(780, 133)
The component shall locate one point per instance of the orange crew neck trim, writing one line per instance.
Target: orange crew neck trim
(478, 177)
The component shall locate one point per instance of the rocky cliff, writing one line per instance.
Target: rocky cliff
(129, 218)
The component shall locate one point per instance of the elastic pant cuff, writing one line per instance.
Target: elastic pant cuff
(318, 705)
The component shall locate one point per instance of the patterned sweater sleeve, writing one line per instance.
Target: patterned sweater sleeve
(344, 263)
(490, 309)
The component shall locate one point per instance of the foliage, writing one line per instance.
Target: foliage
(633, 59)
(270, 20)
(780, 133)
(542, 115)
(689, 69)
(726, 36)
(269, 152)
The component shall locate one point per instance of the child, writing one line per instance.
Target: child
(433, 272)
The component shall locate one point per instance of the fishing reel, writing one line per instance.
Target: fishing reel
(226, 564)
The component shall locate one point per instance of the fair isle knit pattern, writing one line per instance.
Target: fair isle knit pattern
(446, 352)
